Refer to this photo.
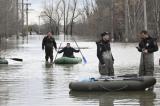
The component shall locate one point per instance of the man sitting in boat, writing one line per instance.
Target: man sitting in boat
(68, 51)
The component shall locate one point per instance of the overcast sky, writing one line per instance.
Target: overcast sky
(36, 7)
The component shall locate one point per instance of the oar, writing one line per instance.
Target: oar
(16, 59)
(84, 59)
(57, 52)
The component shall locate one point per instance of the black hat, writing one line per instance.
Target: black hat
(104, 33)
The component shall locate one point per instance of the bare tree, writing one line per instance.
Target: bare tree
(123, 19)
(53, 15)
(8, 10)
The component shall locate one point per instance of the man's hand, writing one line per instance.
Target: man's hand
(145, 51)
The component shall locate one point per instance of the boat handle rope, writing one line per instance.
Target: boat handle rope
(107, 89)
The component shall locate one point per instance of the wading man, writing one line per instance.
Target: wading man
(104, 55)
(48, 43)
(147, 47)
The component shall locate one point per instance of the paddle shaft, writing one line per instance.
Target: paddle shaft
(57, 51)
(78, 47)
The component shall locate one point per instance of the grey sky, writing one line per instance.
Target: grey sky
(36, 5)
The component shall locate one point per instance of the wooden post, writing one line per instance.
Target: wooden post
(17, 18)
(27, 4)
(112, 19)
(39, 17)
(126, 20)
(23, 18)
(64, 18)
(145, 15)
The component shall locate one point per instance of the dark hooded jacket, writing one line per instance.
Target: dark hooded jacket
(68, 51)
(49, 43)
(148, 43)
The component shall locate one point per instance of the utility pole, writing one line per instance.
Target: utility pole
(64, 4)
(145, 15)
(27, 5)
(6, 20)
(112, 19)
(23, 18)
(126, 20)
(17, 18)
(39, 24)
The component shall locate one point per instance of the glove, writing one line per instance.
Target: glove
(42, 48)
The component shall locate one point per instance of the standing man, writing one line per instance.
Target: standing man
(104, 55)
(147, 47)
(48, 43)
(68, 51)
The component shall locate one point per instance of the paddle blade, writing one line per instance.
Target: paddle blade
(84, 59)
(16, 59)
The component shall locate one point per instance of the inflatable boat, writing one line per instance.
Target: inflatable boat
(119, 83)
(3, 61)
(68, 60)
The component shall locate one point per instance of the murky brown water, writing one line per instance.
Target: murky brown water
(32, 83)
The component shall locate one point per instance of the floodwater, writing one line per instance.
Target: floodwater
(33, 83)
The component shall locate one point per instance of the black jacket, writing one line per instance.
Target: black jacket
(49, 42)
(148, 43)
(102, 46)
(68, 52)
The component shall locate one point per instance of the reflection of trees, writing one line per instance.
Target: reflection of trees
(140, 98)
(49, 78)
(4, 94)
(66, 67)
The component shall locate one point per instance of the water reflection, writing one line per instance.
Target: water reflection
(48, 80)
(65, 67)
(4, 94)
(138, 98)
(48, 65)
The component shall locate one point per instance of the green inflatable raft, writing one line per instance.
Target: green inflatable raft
(68, 60)
(3, 61)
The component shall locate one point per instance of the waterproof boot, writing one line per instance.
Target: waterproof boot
(46, 59)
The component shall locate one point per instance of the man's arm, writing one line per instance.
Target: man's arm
(154, 47)
(43, 42)
(74, 50)
(140, 47)
(99, 54)
(54, 44)
(61, 50)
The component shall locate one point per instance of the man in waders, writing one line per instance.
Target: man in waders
(147, 47)
(48, 43)
(68, 51)
(104, 55)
